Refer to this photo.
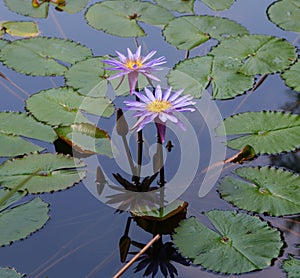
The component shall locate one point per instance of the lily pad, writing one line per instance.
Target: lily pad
(291, 76)
(42, 56)
(238, 243)
(89, 77)
(188, 32)
(64, 106)
(2, 43)
(19, 222)
(268, 132)
(5, 202)
(218, 5)
(55, 172)
(285, 14)
(13, 125)
(20, 28)
(263, 190)
(10, 273)
(194, 75)
(292, 267)
(179, 6)
(25, 7)
(86, 138)
(108, 16)
(260, 54)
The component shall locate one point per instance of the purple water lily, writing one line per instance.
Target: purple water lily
(133, 65)
(159, 107)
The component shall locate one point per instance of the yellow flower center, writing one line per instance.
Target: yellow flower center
(158, 106)
(133, 64)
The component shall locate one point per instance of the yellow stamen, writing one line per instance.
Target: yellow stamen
(158, 106)
(133, 64)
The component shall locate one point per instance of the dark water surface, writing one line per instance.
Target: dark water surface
(81, 238)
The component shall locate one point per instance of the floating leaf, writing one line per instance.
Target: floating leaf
(5, 201)
(13, 125)
(26, 8)
(260, 54)
(109, 16)
(188, 32)
(285, 14)
(86, 138)
(263, 190)
(292, 267)
(63, 106)
(10, 273)
(218, 5)
(19, 222)
(180, 6)
(90, 78)
(20, 28)
(239, 242)
(291, 76)
(267, 132)
(194, 75)
(2, 43)
(56, 172)
(247, 153)
(42, 56)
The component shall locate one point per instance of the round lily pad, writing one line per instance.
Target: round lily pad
(55, 172)
(42, 56)
(179, 6)
(291, 76)
(263, 190)
(64, 106)
(120, 18)
(10, 273)
(188, 32)
(260, 54)
(285, 14)
(194, 75)
(20, 28)
(218, 5)
(238, 242)
(292, 267)
(268, 132)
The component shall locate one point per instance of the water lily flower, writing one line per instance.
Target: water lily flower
(159, 107)
(134, 64)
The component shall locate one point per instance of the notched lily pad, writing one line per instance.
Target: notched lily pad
(238, 243)
(194, 76)
(20, 28)
(291, 76)
(86, 138)
(42, 56)
(8, 272)
(260, 54)
(120, 18)
(188, 32)
(218, 5)
(292, 267)
(285, 14)
(263, 190)
(55, 172)
(268, 132)
(186, 6)
(64, 106)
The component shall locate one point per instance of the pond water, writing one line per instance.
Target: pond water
(82, 237)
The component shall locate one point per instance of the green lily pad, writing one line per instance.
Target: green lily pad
(24, 7)
(292, 267)
(8, 201)
(55, 172)
(263, 190)
(108, 16)
(89, 77)
(64, 106)
(39, 56)
(268, 132)
(13, 125)
(188, 32)
(10, 273)
(291, 76)
(238, 243)
(285, 14)
(19, 222)
(218, 5)
(2, 43)
(194, 75)
(20, 28)
(260, 54)
(179, 6)
(86, 138)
